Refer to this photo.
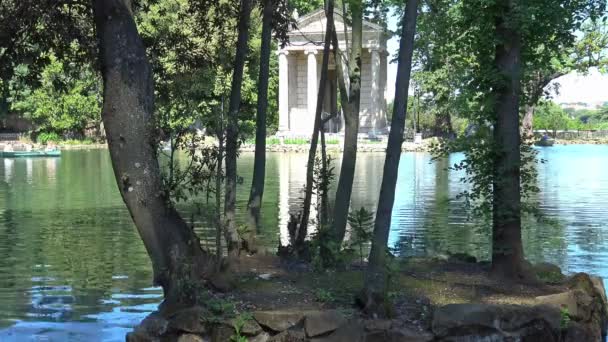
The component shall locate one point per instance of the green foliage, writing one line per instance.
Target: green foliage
(44, 138)
(551, 116)
(238, 325)
(67, 99)
(361, 222)
(221, 307)
(588, 119)
(324, 296)
(565, 319)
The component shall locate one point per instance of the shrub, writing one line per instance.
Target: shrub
(46, 137)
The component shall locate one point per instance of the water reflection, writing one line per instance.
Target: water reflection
(74, 268)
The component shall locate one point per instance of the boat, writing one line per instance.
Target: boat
(545, 142)
(30, 154)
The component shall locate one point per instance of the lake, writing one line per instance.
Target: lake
(74, 269)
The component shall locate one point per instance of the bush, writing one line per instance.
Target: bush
(46, 137)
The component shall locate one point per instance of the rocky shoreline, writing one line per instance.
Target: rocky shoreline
(576, 312)
(361, 147)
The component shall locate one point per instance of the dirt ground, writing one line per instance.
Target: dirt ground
(265, 282)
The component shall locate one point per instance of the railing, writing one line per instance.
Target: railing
(573, 134)
(10, 136)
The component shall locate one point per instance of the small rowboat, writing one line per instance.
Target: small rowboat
(545, 142)
(30, 154)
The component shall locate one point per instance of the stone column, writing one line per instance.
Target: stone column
(376, 89)
(284, 180)
(312, 85)
(283, 91)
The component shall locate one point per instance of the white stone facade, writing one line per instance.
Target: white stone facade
(300, 72)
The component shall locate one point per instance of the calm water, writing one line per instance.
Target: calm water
(72, 267)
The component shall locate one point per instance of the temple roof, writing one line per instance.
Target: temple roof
(315, 22)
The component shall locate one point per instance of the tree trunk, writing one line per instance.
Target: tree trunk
(303, 227)
(443, 125)
(507, 249)
(374, 293)
(232, 237)
(350, 108)
(128, 116)
(528, 123)
(259, 163)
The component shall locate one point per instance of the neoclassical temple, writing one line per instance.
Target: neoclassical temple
(300, 72)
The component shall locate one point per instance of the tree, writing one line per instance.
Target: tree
(350, 97)
(232, 236)
(507, 247)
(587, 51)
(373, 297)
(549, 115)
(302, 228)
(259, 165)
(65, 101)
(128, 115)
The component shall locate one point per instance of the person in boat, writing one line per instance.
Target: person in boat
(545, 137)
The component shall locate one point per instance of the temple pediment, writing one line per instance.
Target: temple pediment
(315, 22)
(310, 30)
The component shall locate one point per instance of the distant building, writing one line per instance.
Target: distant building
(300, 72)
(582, 105)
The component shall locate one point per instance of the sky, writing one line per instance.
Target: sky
(591, 88)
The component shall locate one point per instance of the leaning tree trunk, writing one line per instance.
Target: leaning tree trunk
(527, 125)
(128, 116)
(259, 163)
(374, 293)
(314, 141)
(507, 249)
(350, 107)
(232, 237)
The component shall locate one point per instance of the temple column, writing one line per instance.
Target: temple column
(312, 83)
(283, 91)
(376, 103)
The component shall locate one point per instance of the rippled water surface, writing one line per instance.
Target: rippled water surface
(72, 267)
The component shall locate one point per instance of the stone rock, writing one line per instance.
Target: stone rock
(278, 320)
(377, 324)
(140, 337)
(581, 281)
(407, 335)
(496, 322)
(577, 332)
(221, 332)
(249, 328)
(594, 288)
(398, 336)
(598, 284)
(153, 325)
(578, 304)
(189, 320)
(548, 272)
(190, 338)
(262, 337)
(349, 332)
(322, 322)
(289, 336)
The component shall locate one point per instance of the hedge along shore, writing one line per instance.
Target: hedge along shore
(296, 148)
(364, 147)
(379, 147)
